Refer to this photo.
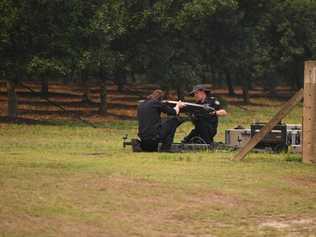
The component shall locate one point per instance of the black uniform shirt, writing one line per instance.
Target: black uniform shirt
(149, 119)
(209, 118)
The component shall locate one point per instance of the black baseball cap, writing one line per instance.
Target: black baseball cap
(201, 87)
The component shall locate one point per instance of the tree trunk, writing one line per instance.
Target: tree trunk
(270, 83)
(12, 100)
(69, 77)
(103, 109)
(120, 87)
(245, 94)
(44, 86)
(86, 92)
(245, 88)
(230, 87)
(120, 80)
(85, 87)
(133, 77)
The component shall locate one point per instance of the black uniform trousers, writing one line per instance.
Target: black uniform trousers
(166, 132)
(204, 130)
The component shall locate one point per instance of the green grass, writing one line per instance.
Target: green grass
(72, 180)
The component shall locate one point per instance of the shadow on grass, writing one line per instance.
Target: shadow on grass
(26, 121)
(73, 113)
(117, 124)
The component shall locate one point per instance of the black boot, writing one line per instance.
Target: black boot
(136, 145)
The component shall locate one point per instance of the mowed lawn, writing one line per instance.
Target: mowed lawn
(67, 179)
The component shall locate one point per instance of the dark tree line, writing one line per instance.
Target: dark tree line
(174, 43)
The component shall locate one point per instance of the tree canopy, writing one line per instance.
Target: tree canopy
(172, 43)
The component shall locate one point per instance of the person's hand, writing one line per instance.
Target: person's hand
(180, 104)
(209, 110)
(221, 113)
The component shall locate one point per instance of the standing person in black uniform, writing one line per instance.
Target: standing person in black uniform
(205, 123)
(151, 130)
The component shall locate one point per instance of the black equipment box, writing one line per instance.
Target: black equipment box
(276, 140)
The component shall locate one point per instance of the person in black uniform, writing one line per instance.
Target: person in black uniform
(151, 130)
(205, 124)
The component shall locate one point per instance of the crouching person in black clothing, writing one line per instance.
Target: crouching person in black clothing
(151, 130)
(205, 124)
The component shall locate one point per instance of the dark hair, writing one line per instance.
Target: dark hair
(156, 95)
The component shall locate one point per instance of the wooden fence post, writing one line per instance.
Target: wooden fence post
(309, 114)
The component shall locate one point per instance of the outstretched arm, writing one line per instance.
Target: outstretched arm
(172, 111)
(221, 113)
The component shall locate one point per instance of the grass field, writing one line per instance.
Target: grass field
(68, 179)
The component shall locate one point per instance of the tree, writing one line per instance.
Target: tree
(13, 48)
(174, 44)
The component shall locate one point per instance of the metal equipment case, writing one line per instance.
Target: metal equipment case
(237, 137)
